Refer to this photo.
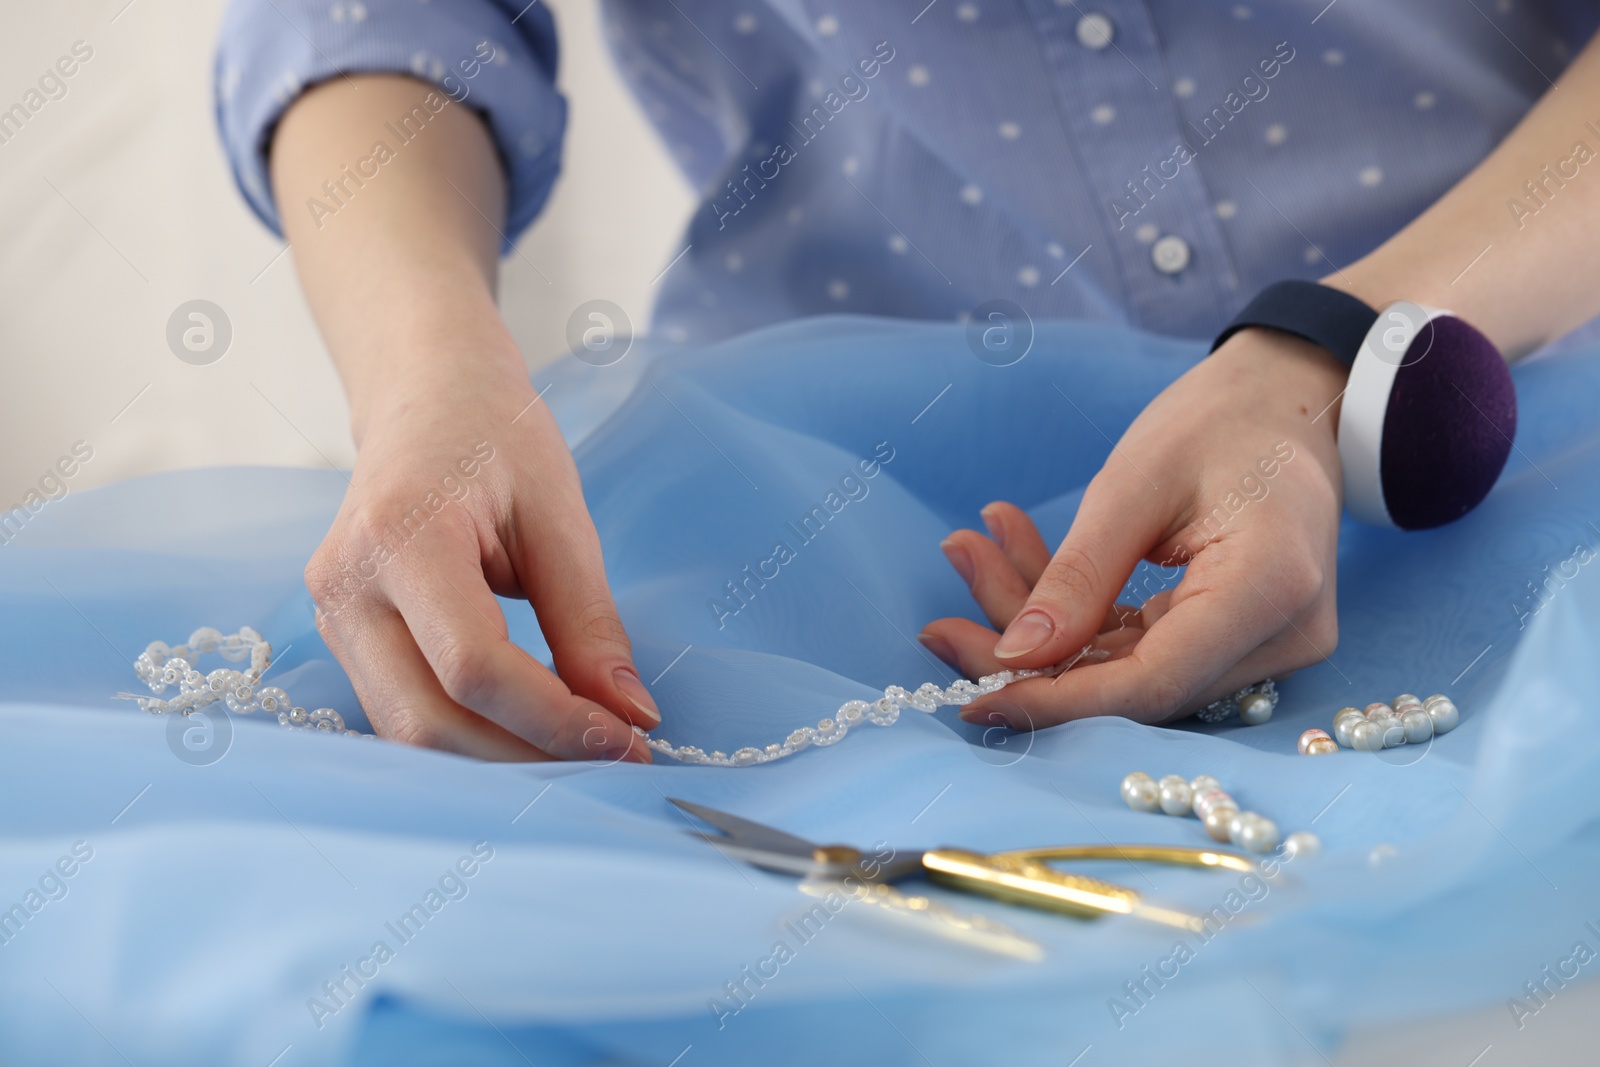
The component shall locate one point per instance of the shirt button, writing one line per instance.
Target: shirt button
(1094, 31)
(1170, 254)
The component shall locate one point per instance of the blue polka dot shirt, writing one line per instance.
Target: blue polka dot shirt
(1149, 162)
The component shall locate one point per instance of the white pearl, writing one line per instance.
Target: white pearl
(1342, 728)
(1313, 734)
(1237, 824)
(1347, 713)
(1255, 709)
(1176, 796)
(1365, 737)
(1302, 843)
(1418, 725)
(1257, 834)
(1212, 798)
(1202, 783)
(1217, 821)
(1445, 715)
(1406, 698)
(1394, 734)
(1139, 792)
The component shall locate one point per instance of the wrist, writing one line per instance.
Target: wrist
(430, 366)
(1291, 370)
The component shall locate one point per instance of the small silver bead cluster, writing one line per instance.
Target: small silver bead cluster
(160, 666)
(884, 711)
(1218, 812)
(1407, 720)
(1254, 704)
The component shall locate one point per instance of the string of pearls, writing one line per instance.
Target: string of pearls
(160, 666)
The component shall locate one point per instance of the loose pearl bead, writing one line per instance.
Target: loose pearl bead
(1445, 716)
(1217, 821)
(1352, 714)
(1310, 736)
(1406, 698)
(1418, 725)
(1257, 834)
(1302, 843)
(1321, 746)
(1212, 798)
(1203, 783)
(1365, 737)
(1342, 728)
(1377, 710)
(1390, 730)
(1176, 796)
(1255, 709)
(1431, 701)
(1139, 792)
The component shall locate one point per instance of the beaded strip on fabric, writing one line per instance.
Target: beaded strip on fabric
(160, 666)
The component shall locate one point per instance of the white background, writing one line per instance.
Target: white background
(116, 206)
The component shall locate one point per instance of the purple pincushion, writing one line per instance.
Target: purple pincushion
(1448, 429)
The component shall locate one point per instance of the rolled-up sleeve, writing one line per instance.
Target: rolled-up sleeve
(497, 58)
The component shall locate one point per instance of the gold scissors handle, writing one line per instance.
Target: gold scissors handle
(1024, 877)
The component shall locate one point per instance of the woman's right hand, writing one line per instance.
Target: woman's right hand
(463, 487)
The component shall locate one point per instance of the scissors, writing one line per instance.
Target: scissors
(1020, 876)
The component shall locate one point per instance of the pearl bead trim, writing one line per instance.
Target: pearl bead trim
(160, 666)
(1253, 712)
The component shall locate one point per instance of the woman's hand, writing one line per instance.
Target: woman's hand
(463, 486)
(462, 490)
(1232, 470)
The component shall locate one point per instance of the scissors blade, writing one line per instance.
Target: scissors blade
(748, 836)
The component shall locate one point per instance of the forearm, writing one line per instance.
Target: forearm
(1524, 275)
(397, 257)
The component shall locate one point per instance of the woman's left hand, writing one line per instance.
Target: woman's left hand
(1232, 470)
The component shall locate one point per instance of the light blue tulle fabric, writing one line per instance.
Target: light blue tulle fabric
(219, 899)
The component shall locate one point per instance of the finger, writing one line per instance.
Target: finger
(458, 626)
(969, 647)
(401, 696)
(1122, 616)
(1036, 703)
(1119, 521)
(1222, 615)
(995, 584)
(556, 554)
(963, 644)
(1018, 538)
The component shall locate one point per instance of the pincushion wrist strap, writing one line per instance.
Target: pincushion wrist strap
(1324, 316)
(1428, 415)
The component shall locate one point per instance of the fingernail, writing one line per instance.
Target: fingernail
(987, 715)
(959, 558)
(997, 531)
(630, 686)
(1027, 632)
(938, 646)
